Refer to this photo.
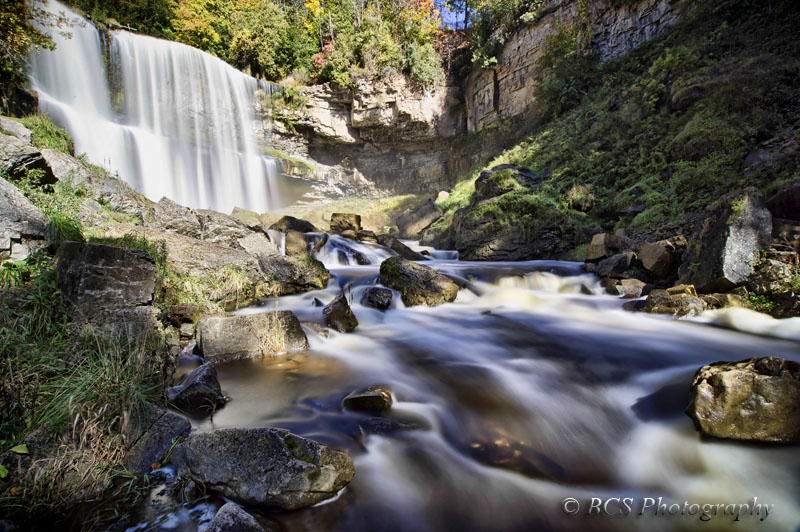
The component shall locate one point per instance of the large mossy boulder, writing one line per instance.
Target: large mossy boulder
(724, 255)
(754, 400)
(295, 224)
(265, 467)
(418, 284)
(222, 338)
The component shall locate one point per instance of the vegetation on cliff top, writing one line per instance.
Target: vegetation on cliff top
(664, 131)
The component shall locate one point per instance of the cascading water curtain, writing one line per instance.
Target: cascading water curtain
(179, 124)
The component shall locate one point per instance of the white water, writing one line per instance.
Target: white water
(184, 128)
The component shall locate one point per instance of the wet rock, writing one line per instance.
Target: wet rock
(616, 265)
(391, 425)
(379, 298)
(679, 300)
(630, 288)
(111, 288)
(233, 337)
(17, 157)
(296, 243)
(295, 224)
(319, 244)
(199, 393)
(23, 227)
(367, 236)
(317, 302)
(775, 273)
(605, 245)
(341, 222)
(265, 467)
(714, 301)
(400, 248)
(233, 518)
(725, 253)
(754, 400)
(339, 316)
(373, 399)
(349, 234)
(501, 451)
(418, 284)
(149, 436)
(658, 258)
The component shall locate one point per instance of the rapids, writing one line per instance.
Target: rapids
(533, 386)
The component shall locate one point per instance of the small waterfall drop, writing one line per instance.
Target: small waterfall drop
(180, 124)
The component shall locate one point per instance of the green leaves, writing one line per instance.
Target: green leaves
(20, 449)
(3, 472)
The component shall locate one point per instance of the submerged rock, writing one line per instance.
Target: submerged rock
(199, 393)
(266, 467)
(341, 222)
(379, 298)
(418, 284)
(727, 250)
(755, 400)
(221, 338)
(374, 399)
(295, 224)
(339, 316)
(233, 518)
(400, 248)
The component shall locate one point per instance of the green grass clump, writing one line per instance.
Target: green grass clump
(46, 134)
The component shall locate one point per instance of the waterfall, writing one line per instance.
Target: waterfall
(180, 124)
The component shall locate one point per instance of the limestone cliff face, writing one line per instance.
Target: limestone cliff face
(387, 136)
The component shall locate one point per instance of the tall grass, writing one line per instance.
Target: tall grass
(46, 134)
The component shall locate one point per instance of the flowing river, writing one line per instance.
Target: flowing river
(532, 387)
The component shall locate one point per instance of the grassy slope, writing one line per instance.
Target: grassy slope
(676, 118)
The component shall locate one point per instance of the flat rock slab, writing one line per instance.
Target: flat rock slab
(150, 436)
(265, 467)
(222, 338)
(755, 400)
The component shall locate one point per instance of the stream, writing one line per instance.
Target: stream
(532, 387)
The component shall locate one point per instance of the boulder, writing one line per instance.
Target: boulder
(149, 435)
(233, 518)
(198, 393)
(17, 157)
(379, 298)
(367, 236)
(754, 400)
(296, 244)
(728, 247)
(15, 129)
(249, 219)
(605, 245)
(93, 276)
(630, 288)
(615, 265)
(170, 216)
(679, 300)
(341, 222)
(295, 224)
(265, 467)
(220, 228)
(339, 316)
(775, 273)
(222, 338)
(372, 399)
(418, 284)
(400, 248)
(658, 258)
(111, 288)
(23, 227)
